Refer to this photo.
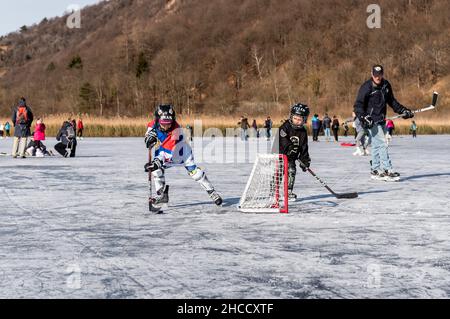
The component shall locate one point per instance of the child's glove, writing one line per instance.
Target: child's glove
(151, 139)
(153, 166)
(304, 165)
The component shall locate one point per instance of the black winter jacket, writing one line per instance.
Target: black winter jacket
(284, 140)
(372, 100)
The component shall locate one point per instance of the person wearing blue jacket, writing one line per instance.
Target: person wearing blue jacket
(316, 127)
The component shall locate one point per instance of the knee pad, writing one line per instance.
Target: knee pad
(197, 174)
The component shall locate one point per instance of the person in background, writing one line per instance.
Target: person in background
(315, 127)
(190, 131)
(2, 127)
(326, 122)
(413, 129)
(67, 140)
(7, 129)
(255, 128)
(39, 136)
(74, 125)
(390, 126)
(268, 124)
(346, 128)
(363, 139)
(244, 128)
(335, 126)
(80, 128)
(22, 118)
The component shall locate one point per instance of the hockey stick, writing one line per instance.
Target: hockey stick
(152, 208)
(428, 108)
(338, 196)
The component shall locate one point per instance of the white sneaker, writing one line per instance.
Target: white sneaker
(358, 152)
(39, 153)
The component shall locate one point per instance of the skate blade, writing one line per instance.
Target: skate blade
(387, 179)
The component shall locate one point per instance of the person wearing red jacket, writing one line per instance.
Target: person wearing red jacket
(80, 128)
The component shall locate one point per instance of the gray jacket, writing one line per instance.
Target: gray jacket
(62, 134)
(22, 129)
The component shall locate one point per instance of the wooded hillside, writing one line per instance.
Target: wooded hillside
(220, 57)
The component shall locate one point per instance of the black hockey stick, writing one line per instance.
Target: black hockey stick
(151, 207)
(338, 196)
(428, 108)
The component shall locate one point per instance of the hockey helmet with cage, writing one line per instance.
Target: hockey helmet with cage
(301, 110)
(165, 114)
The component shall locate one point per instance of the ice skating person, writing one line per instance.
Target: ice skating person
(315, 127)
(7, 129)
(255, 129)
(326, 122)
(413, 129)
(370, 108)
(166, 136)
(268, 124)
(80, 128)
(346, 128)
(39, 137)
(390, 126)
(67, 139)
(22, 118)
(363, 139)
(292, 141)
(74, 125)
(190, 133)
(244, 128)
(335, 127)
(2, 129)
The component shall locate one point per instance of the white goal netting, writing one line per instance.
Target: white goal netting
(266, 190)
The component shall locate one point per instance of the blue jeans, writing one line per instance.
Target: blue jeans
(243, 134)
(380, 154)
(327, 133)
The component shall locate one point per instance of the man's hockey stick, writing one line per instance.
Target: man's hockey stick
(151, 207)
(338, 196)
(428, 108)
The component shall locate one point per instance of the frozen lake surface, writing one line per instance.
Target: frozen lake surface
(79, 228)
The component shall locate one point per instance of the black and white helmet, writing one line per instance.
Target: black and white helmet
(299, 110)
(165, 114)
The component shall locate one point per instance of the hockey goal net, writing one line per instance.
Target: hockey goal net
(267, 188)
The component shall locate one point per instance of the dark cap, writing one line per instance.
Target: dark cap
(377, 70)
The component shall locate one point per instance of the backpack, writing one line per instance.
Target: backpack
(70, 132)
(22, 115)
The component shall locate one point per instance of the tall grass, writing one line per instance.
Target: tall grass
(134, 127)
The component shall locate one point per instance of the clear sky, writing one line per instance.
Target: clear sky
(16, 13)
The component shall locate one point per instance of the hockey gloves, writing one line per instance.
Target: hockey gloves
(153, 166)
(304, 165)
(151, 139)
(407, 114)
(367, 122)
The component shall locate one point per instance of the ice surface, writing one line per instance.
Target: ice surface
(80, 228)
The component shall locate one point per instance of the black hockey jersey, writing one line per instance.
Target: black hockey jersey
(287, 137)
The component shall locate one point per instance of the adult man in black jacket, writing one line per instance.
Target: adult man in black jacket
(292, 141)
(371, 107)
